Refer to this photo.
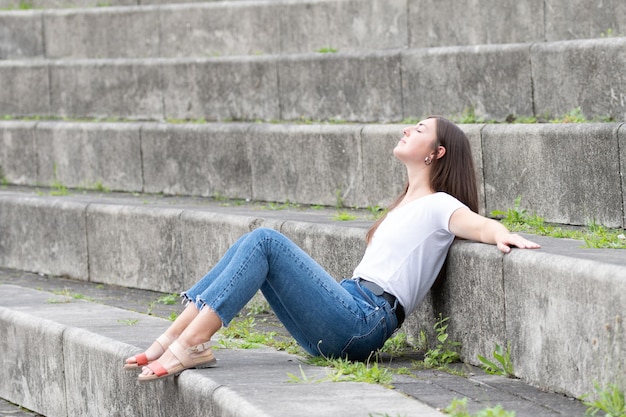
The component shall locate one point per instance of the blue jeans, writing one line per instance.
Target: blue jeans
(325, 317)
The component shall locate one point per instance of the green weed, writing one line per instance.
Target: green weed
(338, 199)
(58, 189)
(258, 307)
(594, 235)
(381, 415)
(344, 370)
(458, 408)
(344, 216)
(77, 296)
(468, 116)
(376, 211)
(3, 179)
(609, 33)
(396, 344)
(303, 378)
(168, 299)
(609, 399)
(217, 196)
(504, 365)
(128, 322)
(327, 50)
(25, 5)
(57, 301)
(240, 334)
(573, 116)
(444, 352)
(98, 186)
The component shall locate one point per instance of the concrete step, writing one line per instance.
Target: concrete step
(567, 173)
(497, 81)
(150, 29)
(74, 353)
(246, 382)
(538, 301)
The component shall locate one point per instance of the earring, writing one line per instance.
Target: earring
(428, 160)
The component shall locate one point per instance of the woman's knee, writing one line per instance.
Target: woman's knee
(264, 232)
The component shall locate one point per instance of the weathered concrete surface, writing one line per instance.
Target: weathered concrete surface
(21, 35)
(343, 25)
(89, 155)
(229, 88)
(584, 19)
(383, 178)
(25, 88)
(167, 244)
(305, 164)
(353, 87)
(43, 235)
(32, 361)
(136, 247)
(580, 74)
(18, 155)
(128, 89)
(576, 176)
(493, 81)
(472, 295)
(565, 318)
(203, 160)
(474, 22)
(213, 29)
(562, 179)
(432, 387)
(216, 29)
(119, 32)
(92, 340)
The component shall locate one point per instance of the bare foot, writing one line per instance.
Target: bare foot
(178, 358)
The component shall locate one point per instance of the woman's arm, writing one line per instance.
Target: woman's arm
(466, 224)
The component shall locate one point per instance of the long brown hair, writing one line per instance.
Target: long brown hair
(453, 173)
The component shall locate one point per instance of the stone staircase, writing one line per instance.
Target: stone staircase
(160, 125)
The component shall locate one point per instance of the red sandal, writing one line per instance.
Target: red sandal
(198, 356)
(142, 360)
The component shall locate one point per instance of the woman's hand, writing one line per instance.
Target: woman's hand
(504, 241)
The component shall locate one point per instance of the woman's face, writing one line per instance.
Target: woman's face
(417, 142)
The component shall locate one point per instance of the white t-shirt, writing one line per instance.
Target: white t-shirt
(409, 248)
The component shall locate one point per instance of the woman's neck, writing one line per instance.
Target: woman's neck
(416, 191)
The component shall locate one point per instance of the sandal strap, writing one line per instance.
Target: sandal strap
(158, 369)
(164, 341)
(200, 348)
(181, 354)
(184, 355)
(141, 359)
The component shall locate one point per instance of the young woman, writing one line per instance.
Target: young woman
(405, 252)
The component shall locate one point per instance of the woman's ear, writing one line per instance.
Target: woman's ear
(441, 151)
